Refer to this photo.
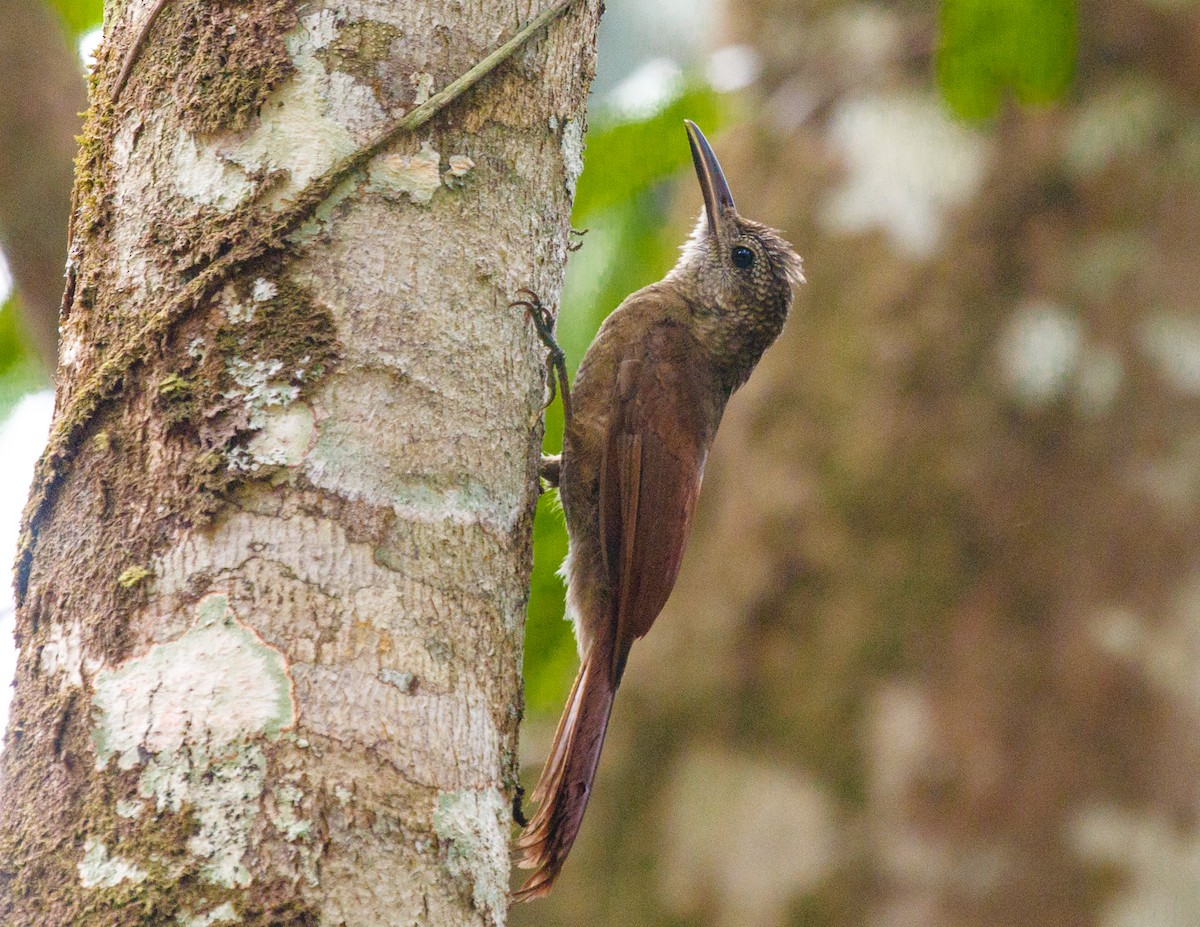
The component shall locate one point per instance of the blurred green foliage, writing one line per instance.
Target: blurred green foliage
(20, 370)
(79, 16)
(628, 157)
(987, 48)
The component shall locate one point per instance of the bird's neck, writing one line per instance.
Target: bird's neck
(736, 338)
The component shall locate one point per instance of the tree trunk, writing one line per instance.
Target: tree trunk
(274, 567)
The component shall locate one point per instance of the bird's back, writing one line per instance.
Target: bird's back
(645, 353)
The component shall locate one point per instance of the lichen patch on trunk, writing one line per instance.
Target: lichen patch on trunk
(572, 153)
(225, 793)
(193, 714)
(215, 686)
(300, 130)
(99, 869)
(307, 123)
(284, 436)
(203, 176)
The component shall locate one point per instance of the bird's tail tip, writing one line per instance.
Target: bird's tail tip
(566, 782)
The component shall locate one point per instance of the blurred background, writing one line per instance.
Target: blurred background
(934, 655)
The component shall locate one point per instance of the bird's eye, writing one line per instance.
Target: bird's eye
(742, 256)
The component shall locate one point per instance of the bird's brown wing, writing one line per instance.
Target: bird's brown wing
(661, 422)
(658, 437)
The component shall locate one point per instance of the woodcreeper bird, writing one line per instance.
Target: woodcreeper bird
(647, 400)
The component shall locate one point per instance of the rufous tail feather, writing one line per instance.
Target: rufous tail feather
(566, 782)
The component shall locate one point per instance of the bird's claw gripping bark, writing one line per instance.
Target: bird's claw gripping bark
(518, 812)
(551, 469)
(556, 360)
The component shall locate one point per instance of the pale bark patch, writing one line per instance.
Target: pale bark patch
(221, 914)
(98, 869)
(263, 386)
(285, 436)
(70, 348)
(422, 87)
(460, 166)
(355, 104)
(64, 654)
(286, 813)
(572, 153)
(135, 158)
(264, 290)
(213, 687)
(129, 809)
(474, 824)
(300, 127)
(392, 620)
(193, 706)
(203, 176)
(417, 175)
(312, 120)
(225, 795)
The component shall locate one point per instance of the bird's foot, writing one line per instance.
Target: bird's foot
(551, 469)
(517, 811)
(576, 245)
(556, 360)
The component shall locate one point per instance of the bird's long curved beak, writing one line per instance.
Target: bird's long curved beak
(717, 199)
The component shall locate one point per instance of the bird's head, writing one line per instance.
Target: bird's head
(736, 265)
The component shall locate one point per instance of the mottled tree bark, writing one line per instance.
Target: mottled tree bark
(274, 567)
(41, 95)
(931, 659)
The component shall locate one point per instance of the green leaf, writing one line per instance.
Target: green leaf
(20, 370)
(79, 16)
(625, 158)
(989, 47)
(550, 659)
